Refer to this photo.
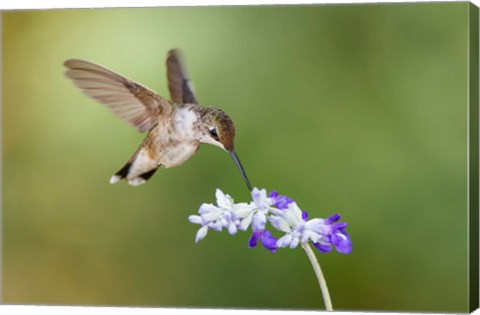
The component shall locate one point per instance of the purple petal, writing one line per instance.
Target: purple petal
(341, 226)
(305, 216)
(342, 242)
(268, 241)
(273, 194)
(252, 242)
(323, 248)
(282, 202)
(332, 219)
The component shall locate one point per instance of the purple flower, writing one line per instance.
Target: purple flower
(341, 239)
(323, 233)
(267, 239)
(297, 229)
(334, 234)
(323, 248)
(279, 201)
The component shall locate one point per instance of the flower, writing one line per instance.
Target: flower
(259, 214)
(281, 202)
(282, 213)
(285, 216)
(225, 214)
(336, 235)
(267, 239)
(322, 233)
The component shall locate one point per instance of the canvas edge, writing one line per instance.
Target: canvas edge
(473, 156)
(1, 156)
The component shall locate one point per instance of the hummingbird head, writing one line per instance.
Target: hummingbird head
(219, 130)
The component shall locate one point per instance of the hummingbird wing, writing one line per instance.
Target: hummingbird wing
(180, 86)
(131, 101)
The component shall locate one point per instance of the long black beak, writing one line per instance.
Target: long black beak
(240, 167)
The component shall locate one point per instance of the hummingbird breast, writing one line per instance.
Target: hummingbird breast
(174, 139)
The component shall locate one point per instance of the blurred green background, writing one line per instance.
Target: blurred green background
(353, 109)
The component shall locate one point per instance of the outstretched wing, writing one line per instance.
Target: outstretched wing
(179, 84)
(132, 102)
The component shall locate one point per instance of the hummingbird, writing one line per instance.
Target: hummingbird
(175, 129)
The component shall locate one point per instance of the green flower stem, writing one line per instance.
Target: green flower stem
(321, 279)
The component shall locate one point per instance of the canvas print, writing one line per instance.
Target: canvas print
(305, 157)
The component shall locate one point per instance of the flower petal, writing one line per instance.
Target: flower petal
(310, 235)
(223, 201)
(259, 198)
(273, 194)
(201, 233)
(259, 221)
(294, 242)
(217, 226)
(269, 241)
(207, 208)
(284, 241)
(317, 225)
(305, 216)
(283, 202)
(245, 222)
(243, 210)
(252, 242)
(341, 226)
(342, 242)
(294, 214)
(195, 219)
(279, 223)
(211, 216)
(323, 248)
(280, 201)
(232, 228)
(332, 219)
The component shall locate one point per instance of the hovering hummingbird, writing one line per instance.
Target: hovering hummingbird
(176, 128)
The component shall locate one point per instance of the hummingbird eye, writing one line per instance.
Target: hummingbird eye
(213, 133)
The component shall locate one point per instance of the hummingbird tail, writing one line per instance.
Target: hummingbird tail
(136, 171)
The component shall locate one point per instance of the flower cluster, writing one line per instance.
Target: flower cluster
(281, 212)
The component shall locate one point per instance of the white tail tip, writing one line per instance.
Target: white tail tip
(115, 179)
